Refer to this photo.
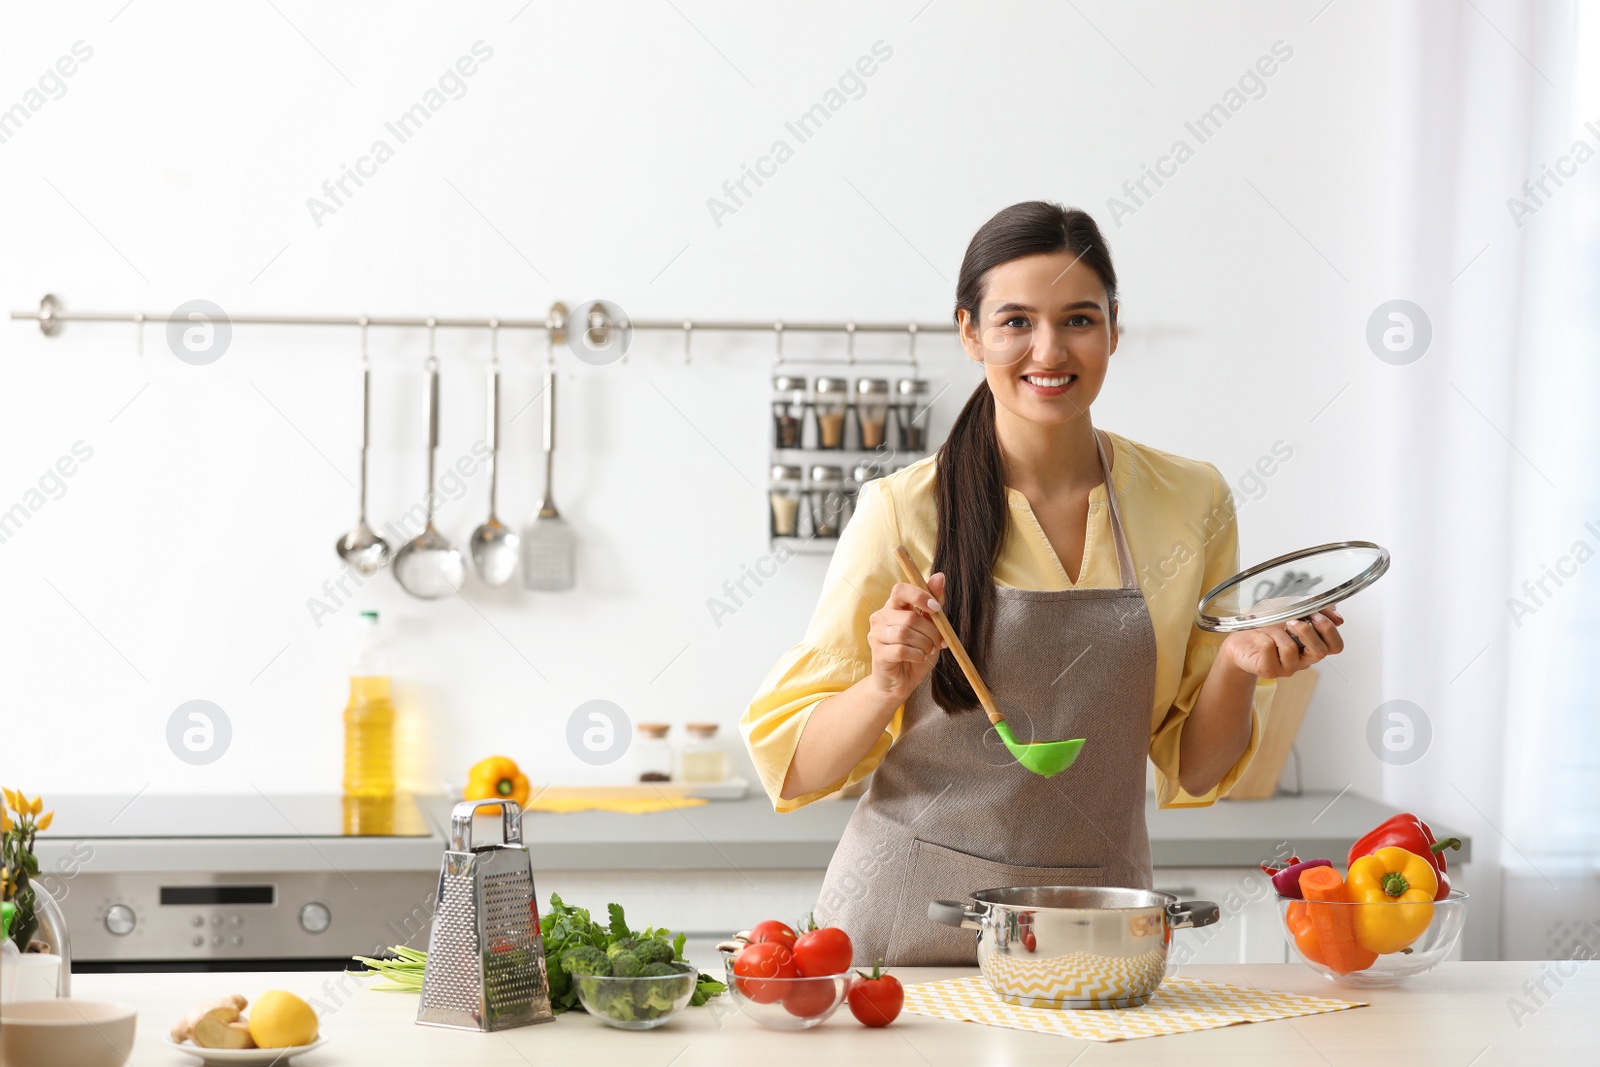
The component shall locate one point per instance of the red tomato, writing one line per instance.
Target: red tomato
(823, 951)
(766, 960)
(810, 996)
(773, 930)
(876, 999)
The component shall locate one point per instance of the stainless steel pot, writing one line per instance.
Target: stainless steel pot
(1057, 946)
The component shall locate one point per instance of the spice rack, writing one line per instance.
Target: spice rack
(830, 434)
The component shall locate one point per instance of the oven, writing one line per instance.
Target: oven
(239, 882)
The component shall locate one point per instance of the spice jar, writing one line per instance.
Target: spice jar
(826, 494)
(788, 410)
(829, 398)
(859, 477)
(872, 410)
(911, 413)
(652, 754)
(784, 496)
(703, 758)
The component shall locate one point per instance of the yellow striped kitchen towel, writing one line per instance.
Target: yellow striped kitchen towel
(1179, 1006)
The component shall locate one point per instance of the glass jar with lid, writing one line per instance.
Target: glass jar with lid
(872, 411)
(911, 413)
(788, 410)
(652, 753)
(703, 759)
(826, 495)
(863, 473)
(830, 397)
(784, 499)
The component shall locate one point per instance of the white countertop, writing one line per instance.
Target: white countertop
(1458, 1015)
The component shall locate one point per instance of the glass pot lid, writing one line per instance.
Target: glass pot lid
(1292, 586)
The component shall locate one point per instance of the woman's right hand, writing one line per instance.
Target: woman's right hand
(904, 641)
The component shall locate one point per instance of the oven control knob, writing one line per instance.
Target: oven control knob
(315, 918)
(120, 920)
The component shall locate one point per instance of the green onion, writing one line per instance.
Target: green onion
(404, 974)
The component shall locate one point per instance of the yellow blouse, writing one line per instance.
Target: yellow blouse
(1179, 520)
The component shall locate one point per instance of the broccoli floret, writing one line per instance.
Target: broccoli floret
(626, 965)
(658, 999)
(622, 944)
(658, 969)
(585, 959)
(621, 1001)
(654, 951)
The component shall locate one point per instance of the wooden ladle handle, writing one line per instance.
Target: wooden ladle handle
(914, 576)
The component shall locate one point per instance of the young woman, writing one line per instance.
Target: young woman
(1070, 561)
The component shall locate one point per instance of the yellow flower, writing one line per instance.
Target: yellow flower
(36, 806)
(44, 823)
(5, 822)
(11, 798)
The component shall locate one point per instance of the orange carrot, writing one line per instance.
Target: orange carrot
(1335, 926)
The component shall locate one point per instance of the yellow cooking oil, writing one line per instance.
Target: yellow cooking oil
(369, 717)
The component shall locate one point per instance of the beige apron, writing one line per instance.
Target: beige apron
(950, 811)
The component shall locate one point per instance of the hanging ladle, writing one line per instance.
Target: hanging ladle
(429, 566)
(495, 546)
(363, 549)
(1047, 758)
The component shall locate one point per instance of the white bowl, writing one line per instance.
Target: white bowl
(52, 1033)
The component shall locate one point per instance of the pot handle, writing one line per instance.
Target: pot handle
(954, 913)
(1192, 913)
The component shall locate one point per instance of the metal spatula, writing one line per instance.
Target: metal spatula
(548, 546)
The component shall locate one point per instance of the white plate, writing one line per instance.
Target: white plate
(241, 1057)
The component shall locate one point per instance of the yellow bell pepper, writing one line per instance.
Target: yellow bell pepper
(497, 778)
(1399, 886)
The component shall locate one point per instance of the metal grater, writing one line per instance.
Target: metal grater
(486, 968)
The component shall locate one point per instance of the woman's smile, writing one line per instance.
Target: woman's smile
(1049, 384)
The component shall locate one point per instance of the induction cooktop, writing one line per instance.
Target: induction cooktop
(237, 815)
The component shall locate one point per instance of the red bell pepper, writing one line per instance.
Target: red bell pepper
(1412, 834)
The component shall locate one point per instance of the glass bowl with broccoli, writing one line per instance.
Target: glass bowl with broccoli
(632, 985)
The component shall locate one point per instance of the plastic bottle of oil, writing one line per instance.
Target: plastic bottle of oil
(369, 717)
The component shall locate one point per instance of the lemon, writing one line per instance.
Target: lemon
(279, 1020)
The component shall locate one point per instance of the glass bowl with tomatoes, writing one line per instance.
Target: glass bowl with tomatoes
(1380, 943)
(789, 981)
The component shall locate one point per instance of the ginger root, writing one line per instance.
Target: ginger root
(222, 1009)
(210, 1032)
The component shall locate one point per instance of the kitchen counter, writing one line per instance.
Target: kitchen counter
(1460, 1014)
(748, 835)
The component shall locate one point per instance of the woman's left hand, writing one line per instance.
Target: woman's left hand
(1270, 651)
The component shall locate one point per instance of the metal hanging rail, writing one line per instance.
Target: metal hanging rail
(50, 315)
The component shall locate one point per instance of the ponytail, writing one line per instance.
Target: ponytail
(973, 512)
(971, 493)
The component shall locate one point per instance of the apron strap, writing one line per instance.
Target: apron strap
(1124, 556)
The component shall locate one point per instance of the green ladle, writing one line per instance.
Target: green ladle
(1048, 758)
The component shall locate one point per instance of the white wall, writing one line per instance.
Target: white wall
(177, 165)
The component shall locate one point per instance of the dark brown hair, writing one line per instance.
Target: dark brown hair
(971, 483)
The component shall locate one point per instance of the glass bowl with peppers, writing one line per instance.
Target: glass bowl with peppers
(1391, 916)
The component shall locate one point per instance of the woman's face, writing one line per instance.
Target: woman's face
(1044, 335)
